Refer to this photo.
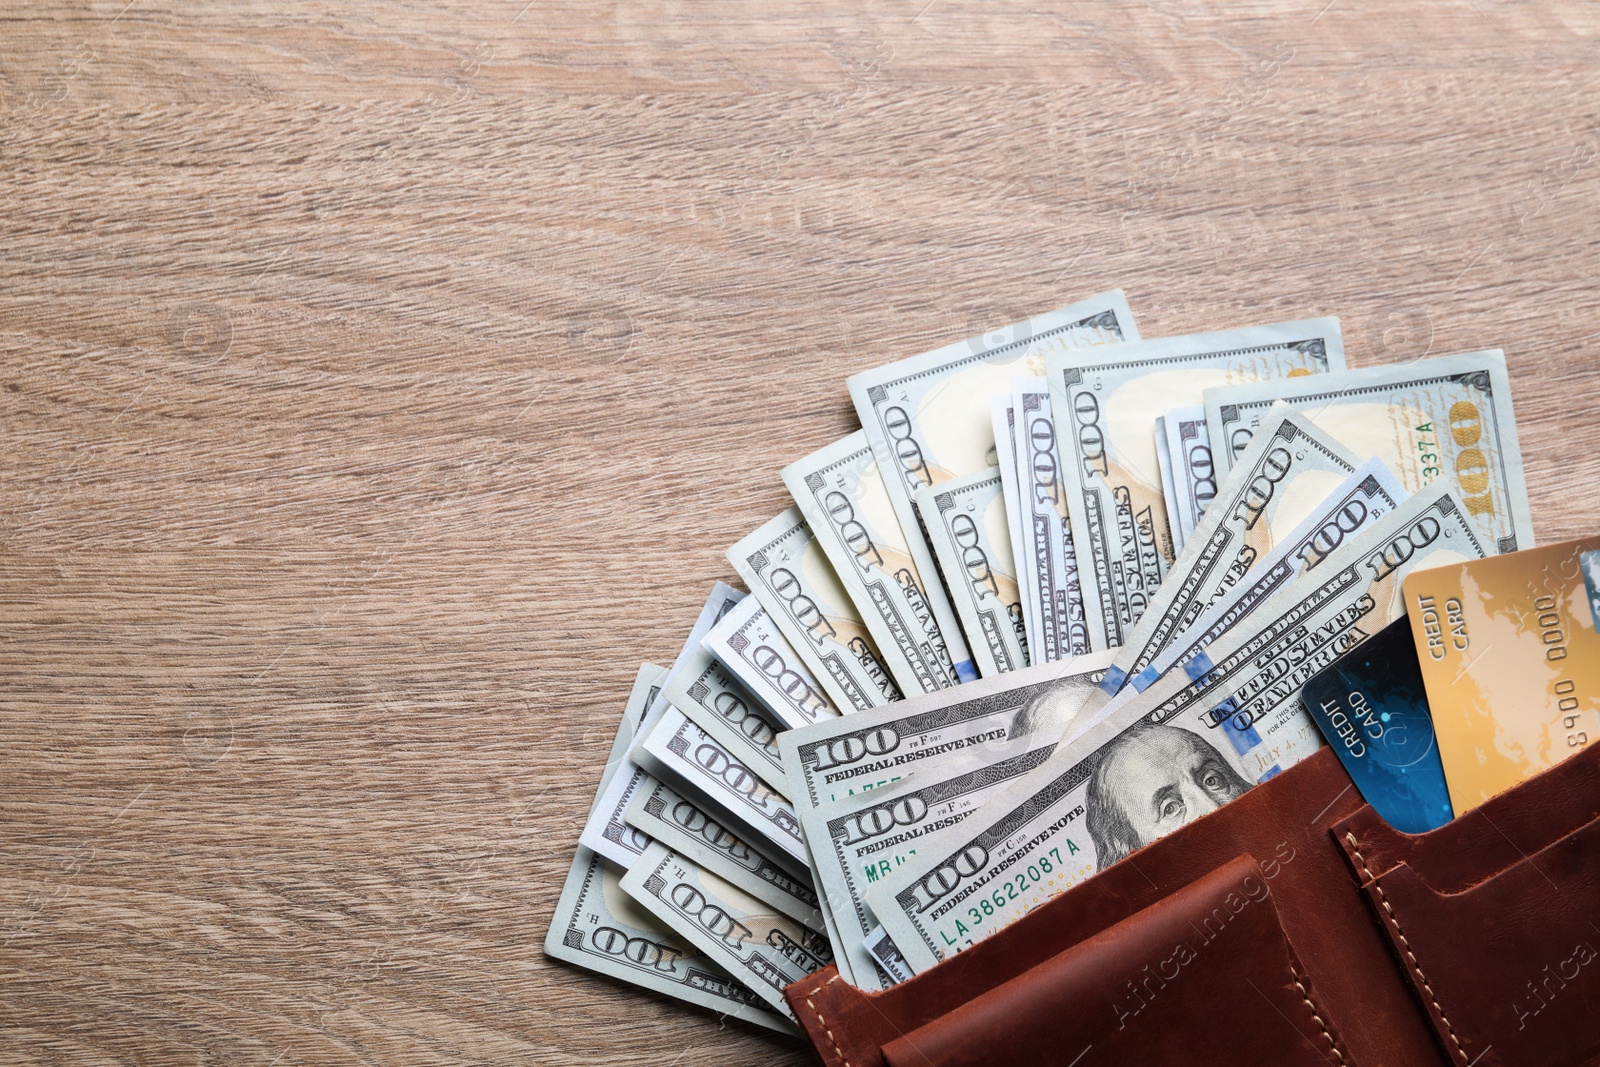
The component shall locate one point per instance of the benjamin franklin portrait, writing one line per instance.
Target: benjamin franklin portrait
(1148, 783)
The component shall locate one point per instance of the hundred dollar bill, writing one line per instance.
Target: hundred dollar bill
(599, 927)
(1105, 405)
(966, 523)
(750, 646)
(890, 963)
(1169, 492)
(683, 826)
(1279, 480)
(1366, 496)
(927, 417)
(841, 493)
(764, 948)
(842, 757)
(856, 841)
(1054, 587)
(1180, 749)
(1194, 475)
(1003, 413)
(606, 832)
(710, 697)
(788, 572)
(1448, 418)
(687, 758)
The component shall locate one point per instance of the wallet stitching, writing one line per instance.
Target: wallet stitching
(1305, 996)
(1394, 921)
(837, 1051)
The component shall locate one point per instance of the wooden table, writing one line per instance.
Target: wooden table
(382, 383)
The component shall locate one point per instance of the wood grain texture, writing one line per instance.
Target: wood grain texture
(380, 383)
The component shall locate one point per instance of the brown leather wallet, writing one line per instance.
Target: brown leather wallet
(1293, 926)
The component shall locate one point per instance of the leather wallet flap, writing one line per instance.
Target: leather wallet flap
(1144, 989)
(1490, 837)
(1498, 937)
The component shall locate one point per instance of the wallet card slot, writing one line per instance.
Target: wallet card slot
(1490, 838)
(1148, 990)
(1507, 966)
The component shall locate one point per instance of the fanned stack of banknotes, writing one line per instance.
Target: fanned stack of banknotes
(1055, 599)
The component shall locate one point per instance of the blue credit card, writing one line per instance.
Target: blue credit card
(1372, 707)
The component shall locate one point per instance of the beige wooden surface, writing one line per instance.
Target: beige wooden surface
(380, 383)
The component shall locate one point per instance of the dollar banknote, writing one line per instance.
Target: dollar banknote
(890, 963)
(1288, 470)
(1105, 405)
(1053, 585)
(709, 696)
(683, 826)
(1194, 474)
(606, 832)
(763, 948)
(789, 573)
(1003, 413)
(845, 756)
(927, 418)
(856, 841)
(597, 926)
(1366, 496)
(841, 493)
(1180, 749)
(966, 523)
(676, 751)
(1169, 491)
(749, 644)
(1444, 419)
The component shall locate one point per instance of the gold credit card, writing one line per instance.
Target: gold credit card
(1510, 655)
